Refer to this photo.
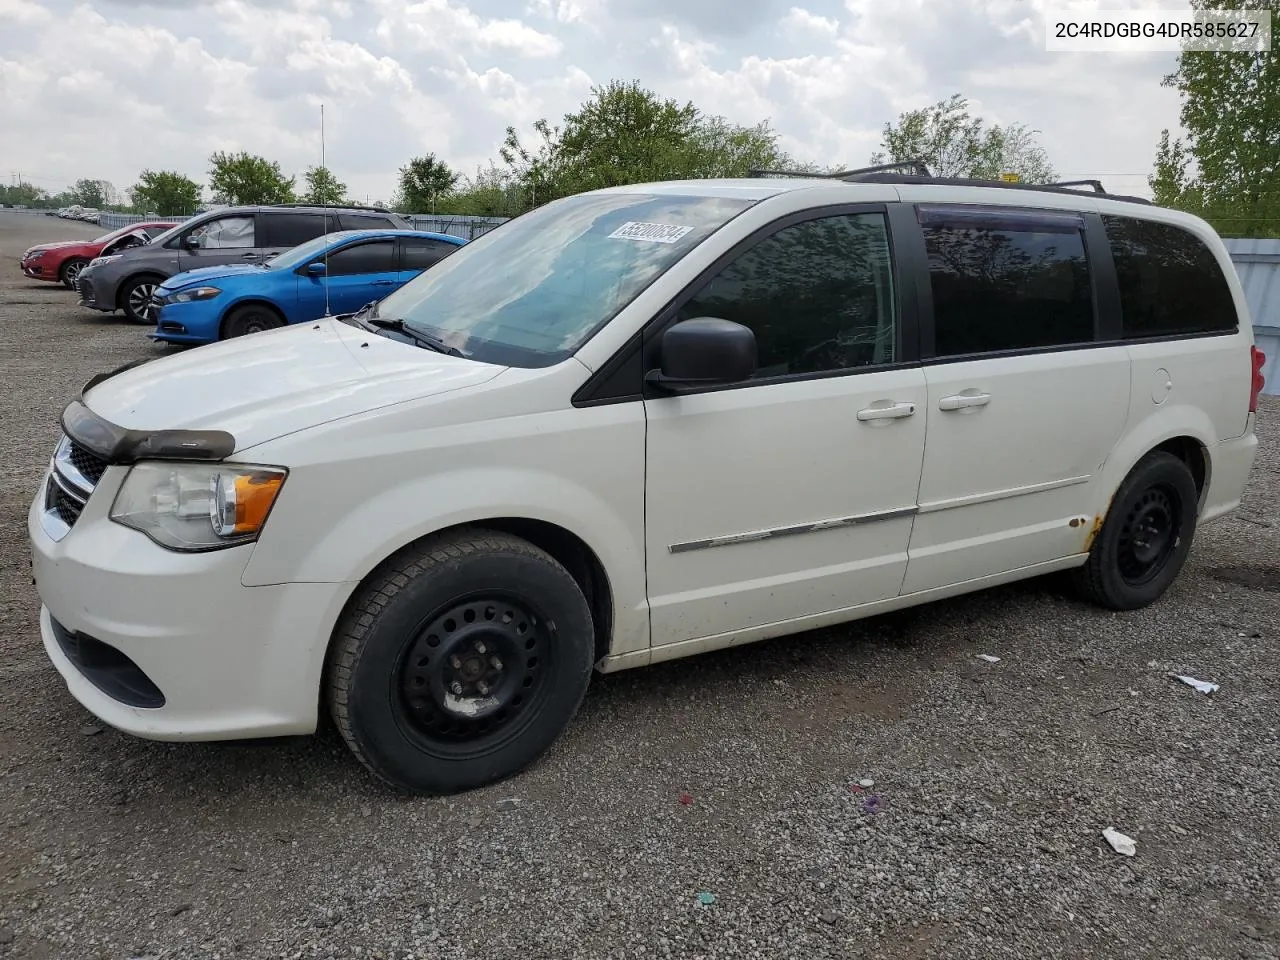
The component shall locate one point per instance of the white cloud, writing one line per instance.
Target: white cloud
(163, 84)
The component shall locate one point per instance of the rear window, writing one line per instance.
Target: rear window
(285, 230)
(367, 221)
(1170, 282)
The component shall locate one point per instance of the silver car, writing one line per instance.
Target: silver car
(125, 281)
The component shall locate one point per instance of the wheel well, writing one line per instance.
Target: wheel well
(62, 267)
(1191, 452)
(128, 280)
(566, 548)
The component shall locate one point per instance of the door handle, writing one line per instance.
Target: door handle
(890, 411)
(248, 256)
(382, 283)
(962, 401)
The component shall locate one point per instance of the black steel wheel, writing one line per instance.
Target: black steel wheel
(475, 673)
(1145, 537)
(460, 661)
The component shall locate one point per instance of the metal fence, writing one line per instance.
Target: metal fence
(1257, 263)
(468, 228)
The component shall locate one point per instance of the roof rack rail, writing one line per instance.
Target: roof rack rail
(330, 206)
(1096, 184)
(915, 167)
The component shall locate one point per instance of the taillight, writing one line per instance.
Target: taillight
(1259, 358)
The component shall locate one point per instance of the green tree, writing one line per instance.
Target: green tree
(492, 192)
(241, 178)
(24, 194)
(625, 133)
(954, 143)
(93, 193)
(424, 181)
(1227, 169)
(323, 187)
(165, 192)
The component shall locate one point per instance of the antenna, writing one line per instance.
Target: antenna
(324, 202)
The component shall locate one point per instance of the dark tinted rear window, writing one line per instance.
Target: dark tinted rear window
(1170, 282)
(422, 252)
(1006, 280)
(285, 230)
(367, 221)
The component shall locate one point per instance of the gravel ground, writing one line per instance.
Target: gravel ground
(993, 782)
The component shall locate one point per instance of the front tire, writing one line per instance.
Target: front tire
(71, 271)
(135, 298)
(1146, 536)
(250, 318)
(460, 662)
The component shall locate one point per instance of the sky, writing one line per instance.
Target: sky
(104, 89)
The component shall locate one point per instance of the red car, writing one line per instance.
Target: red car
(62, 262)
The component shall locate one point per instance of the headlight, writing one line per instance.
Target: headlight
(186, 296)
(99, 261)
(194, 507)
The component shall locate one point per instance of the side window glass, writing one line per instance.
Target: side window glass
(818, 295)
(376, 257)
(422, 253)
(224, 233)
(285, 230)
(1170, 282)
(365, 221)
(1009, 281)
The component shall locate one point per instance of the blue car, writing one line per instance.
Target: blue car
(341, 271)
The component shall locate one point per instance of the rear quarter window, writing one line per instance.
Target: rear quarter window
(1170, 282)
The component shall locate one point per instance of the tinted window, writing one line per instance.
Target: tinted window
(286, 230)
(1007, 281)
(376, 257)
(1170, 282)
(366, 221)
(420, 253)
(818, 296)
(225, 233)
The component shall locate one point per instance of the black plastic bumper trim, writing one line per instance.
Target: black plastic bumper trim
(108, 669)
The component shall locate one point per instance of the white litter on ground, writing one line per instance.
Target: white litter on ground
(988, 657)
(1125, 846)
(1203, 686)
(866, 784)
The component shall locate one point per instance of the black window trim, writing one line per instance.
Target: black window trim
(621, 378)
(1105, 295)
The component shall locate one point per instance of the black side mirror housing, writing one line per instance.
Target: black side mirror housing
(705, 352)
(190, 242)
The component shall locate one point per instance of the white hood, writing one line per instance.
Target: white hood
(266, 385)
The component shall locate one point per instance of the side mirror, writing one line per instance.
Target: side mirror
(191, 242)
(705, 352)
(316, 268)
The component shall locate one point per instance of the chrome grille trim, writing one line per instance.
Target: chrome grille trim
(67, 490)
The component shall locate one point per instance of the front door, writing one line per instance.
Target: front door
(357, 273)
(791, 495)
(1023, 410)
(222, 240)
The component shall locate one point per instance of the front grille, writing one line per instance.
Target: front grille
(76, 472)
(90, 465)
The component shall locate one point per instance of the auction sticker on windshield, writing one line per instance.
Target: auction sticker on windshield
(651, 232)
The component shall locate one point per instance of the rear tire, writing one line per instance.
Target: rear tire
(1145, 537)
(71, 270)
(460, 662)
(250, 318)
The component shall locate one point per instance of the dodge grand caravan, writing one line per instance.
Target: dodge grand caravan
(632, 425)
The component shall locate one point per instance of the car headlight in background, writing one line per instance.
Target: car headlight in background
(187, 296)
(99, 261)
(195, 507)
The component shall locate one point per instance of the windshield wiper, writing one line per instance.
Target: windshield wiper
(424, 339)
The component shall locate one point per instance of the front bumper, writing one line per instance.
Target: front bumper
(95, 292)
(130, 625)
(35, 270)
(188, 323)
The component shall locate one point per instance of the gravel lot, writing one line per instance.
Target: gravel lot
(994, 781)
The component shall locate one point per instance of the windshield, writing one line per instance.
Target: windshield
(531, 292)
(295, 256)
(172, 232)
(120, 232)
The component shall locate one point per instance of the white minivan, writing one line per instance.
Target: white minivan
(632, 425)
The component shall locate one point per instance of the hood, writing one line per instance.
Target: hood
(266, 385)
(56, 246)
(207, 274)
